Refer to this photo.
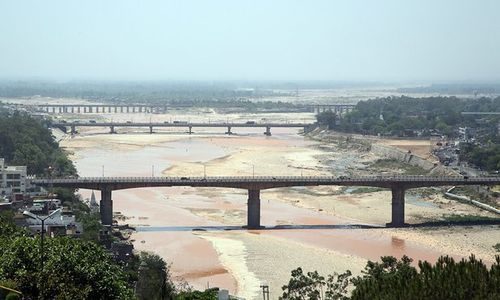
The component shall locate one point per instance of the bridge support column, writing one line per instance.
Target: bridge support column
(128, 109)
(106, 207)
(112, 129)
(229, 130)
(190, 129)
(73, 129)
(253, 209)
(398, 207)
(268, 131)
(150, 129)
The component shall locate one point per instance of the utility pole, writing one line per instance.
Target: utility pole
(265, 292)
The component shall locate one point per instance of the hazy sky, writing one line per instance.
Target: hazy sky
(400, 40)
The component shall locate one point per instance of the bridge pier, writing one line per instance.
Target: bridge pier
(112, 129)
(73, 129)
(106, 206)
(253, 209)
(268, 131)
(229, 130)
(150, 129)
(398, 207)
(190, 129)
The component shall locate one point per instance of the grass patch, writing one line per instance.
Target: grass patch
(311, 192)
(457, 220)
(477, 194)
(467, 218)
(365, 190)
(390, 164)
(497, 247)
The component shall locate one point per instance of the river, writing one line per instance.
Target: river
(198, 230)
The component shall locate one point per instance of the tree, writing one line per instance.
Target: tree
(210, 294)
(73, 269)
(393, 279)
(328, 118)
(314, 286)
(153, 278)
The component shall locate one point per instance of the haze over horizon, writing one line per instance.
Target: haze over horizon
(259, 40)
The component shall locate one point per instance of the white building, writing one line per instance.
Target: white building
(12, 179)
(60, 220)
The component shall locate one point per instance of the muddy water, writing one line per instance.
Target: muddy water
(199, 229)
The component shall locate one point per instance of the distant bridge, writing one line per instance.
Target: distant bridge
(113, 125)
(105, 108)
(161, 108)
(254, 184)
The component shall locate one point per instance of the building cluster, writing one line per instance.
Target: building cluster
(32, 204)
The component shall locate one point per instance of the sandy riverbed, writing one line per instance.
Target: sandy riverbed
(241, 260)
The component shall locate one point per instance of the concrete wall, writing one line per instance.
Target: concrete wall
(404, 156)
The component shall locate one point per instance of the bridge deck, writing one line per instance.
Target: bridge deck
(264, 182)
(145, 124)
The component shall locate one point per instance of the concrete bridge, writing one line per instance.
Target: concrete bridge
(105, 108)
(397, 184)
(159, 108)
(113, 125)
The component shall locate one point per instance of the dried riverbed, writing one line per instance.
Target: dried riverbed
(198, 229)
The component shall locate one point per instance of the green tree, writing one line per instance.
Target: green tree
(393, 279)
(210, 294)
(154, 281)
(314, 286)
(73, 269)
(328, 118)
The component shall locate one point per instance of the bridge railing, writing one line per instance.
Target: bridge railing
(376, 178)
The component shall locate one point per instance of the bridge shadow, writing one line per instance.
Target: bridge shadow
(435, 224)
(454, 223)
(243, 228)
